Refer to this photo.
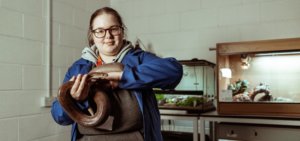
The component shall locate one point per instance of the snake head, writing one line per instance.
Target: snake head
(105, 68)
(94, 76)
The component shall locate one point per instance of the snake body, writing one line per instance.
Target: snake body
(95, 90)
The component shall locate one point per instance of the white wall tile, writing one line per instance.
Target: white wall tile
(34, 77)
(56, 82)
(34, 28)
(72, 36)
(81, 19)
(29, 102)
(245, 2)
(55, 32)
(59, 137)
(9, 104)
(10, 77)
(15, 50)
(138, 25)
(219, 3)
(209, 3)
(62, 73)
(175, 6)
(78, 4)
(148, 8)
(9, 129)
(228, 15)
(76, 54)
(228, 34)
(199, 19)
(11, 23)
(274, 30)
(60, 55)
(248, 14)
(93, 5)
(280, 10)
(36, 126)
(223, 3)
(164, 23)
(32, 7)
(125, 8)
(62, 13)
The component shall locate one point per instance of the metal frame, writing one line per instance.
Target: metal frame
(195, 120)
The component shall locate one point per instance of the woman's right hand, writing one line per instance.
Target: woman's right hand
(78, 90)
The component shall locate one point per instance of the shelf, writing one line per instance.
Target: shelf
(196, 62)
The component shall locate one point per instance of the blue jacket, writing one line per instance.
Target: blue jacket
(142, 72)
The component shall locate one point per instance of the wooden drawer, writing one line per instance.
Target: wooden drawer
(251, 132)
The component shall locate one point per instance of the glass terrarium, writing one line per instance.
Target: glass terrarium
(259, 77)
(194, 93)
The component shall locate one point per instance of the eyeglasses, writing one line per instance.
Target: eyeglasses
(114, 30)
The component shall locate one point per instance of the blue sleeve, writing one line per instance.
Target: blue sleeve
(151, 72)
(58, 114)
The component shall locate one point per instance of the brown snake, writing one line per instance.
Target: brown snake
(96, 90)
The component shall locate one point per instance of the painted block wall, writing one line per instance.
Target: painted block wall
(22, 63)
(186, 29)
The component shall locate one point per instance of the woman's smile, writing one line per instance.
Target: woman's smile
(109, 43)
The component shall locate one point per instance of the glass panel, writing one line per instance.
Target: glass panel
(267, 78)
(188, 80)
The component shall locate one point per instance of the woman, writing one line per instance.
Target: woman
(142, 72)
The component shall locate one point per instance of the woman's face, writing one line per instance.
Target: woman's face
(112, 41)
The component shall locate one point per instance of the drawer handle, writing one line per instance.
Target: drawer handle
(231, 134)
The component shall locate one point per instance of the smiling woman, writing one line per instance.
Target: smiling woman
(133, 114)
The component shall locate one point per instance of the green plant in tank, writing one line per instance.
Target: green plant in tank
(159, 97)
(239, 86)
(190, 101)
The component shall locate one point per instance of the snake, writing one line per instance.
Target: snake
(96, 90)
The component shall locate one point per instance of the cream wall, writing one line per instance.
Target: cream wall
(167, 27)
(186, 29)
(22, 62)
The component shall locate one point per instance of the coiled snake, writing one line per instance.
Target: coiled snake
(96, 89)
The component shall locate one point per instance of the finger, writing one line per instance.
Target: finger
(82, 83)
(75, 85)
(72, 79)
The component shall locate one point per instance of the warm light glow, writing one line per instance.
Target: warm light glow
(226, 72)
(278, 53)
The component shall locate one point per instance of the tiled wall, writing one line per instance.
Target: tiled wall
(187, 29)
(22, 63)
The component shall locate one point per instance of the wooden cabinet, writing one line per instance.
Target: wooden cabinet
(256, 132)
